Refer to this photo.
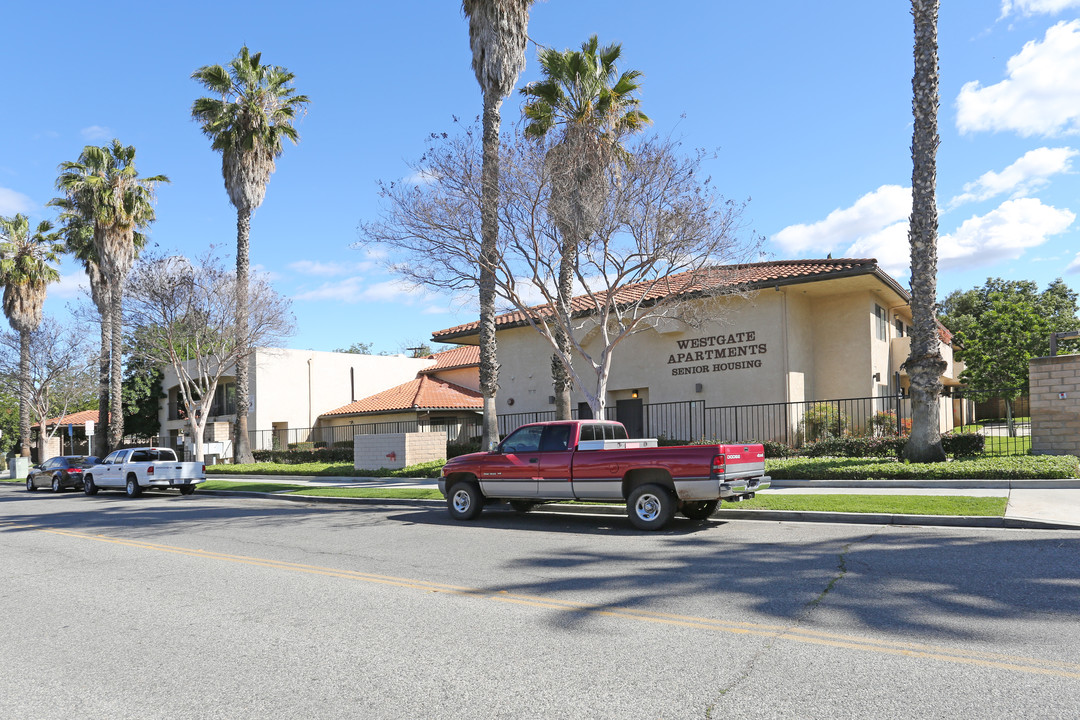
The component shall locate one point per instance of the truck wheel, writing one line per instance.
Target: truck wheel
(465, 501)
(56, 484)
(132, 488)
(522, 506)
(650, 507)
(187, 489)
(30, 486)
(88, 486)
(699, 510)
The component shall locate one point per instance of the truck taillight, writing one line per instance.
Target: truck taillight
(203, 469)
(149, 469)
(718, 462)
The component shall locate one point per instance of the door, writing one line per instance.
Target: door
(631, 413)
(555, 455)
(512, 471)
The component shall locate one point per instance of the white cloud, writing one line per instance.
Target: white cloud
(420, 177)
(70, 286)
(359, 289)
(96, 132)
(328, 269)
(869, 215)
(1034, 7)
(1002, 234)
(12, 202)
(1029, 173)
(1040, 96)
(889, 246)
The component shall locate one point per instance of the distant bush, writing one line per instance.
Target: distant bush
(855, 446)
(301, 446)
(779, 450)
(963, 444)
(823, 420)
(343, 444)
(462, 448)
(1014, 467)
(293, 457)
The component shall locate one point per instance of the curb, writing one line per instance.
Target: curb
(975, 521)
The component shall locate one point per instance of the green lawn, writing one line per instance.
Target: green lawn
(341, 469)
(893, 504)
(249, 486)
(405, 493)
(1009, 467)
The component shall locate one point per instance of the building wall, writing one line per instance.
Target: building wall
(468, 377)
(1055, 405)
(397, 450)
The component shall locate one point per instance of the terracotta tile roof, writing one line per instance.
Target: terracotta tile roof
(459, 357)
(78, 418)
(775, 272)
(423, 393)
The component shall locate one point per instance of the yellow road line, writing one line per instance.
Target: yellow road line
(783, 632)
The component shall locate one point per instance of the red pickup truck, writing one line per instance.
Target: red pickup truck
(594, 460)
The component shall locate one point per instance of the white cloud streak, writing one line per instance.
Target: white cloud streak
(1036, 7)
(1002, 234)
(1040, 95)
(1029, 173)
(96, 132)
(844, 226)
(12, 202)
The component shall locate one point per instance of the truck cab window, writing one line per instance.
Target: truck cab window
(523, 440)
(556, 438)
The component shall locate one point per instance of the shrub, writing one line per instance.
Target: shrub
(775, 449)
(882, 424)
(963, 444)
(823, 420)
(851, 446)
(1015, 467)
(462, 448)
(293, 457)
(301, 446)
(343, 444)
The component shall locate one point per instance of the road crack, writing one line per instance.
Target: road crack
(748, 668)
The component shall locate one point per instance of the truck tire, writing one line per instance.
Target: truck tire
(464, 501)
(88, 485)
(650, 507)
(699, 510)
(187, 489)
(132, 488)
(523, 506)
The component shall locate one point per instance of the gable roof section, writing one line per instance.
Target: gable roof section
(749, 276)
(79, 418)
(460, 357)
(423, 393)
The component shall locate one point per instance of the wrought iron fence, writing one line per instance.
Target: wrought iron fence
(342, 435)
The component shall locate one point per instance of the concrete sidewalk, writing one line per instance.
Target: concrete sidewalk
(1031, 503)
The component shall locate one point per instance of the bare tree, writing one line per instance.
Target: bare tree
(61, 373)
(665, 247)
(186, 314)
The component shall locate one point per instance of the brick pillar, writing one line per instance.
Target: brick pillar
(1055, 405)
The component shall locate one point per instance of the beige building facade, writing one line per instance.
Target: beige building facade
(805, 331)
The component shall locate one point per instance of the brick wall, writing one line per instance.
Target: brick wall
(397, 450)
(1055, 405)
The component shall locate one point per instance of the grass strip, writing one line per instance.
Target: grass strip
(341, 469)
(353, 492)
(249, 486)
(890, 504)
(984, 468)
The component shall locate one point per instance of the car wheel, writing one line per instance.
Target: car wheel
(132, 488)
(699, 510)
(88, 485)
(523, 506)
(30, 487)
(187, 489)
(465, 501)
(56, 484)
(650, 507)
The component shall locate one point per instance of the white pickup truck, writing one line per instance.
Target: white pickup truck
(135, 469)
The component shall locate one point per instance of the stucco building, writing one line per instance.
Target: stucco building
(804, 331)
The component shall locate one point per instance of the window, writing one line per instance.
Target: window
(556, 438)
(899, 327)
(882, 324)
(523, 440)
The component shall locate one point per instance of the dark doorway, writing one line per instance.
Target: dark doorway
(584, 412)
(631, 413)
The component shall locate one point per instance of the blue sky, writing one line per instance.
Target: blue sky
(808, 104)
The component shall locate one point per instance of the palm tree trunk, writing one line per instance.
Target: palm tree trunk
(116, 367)
(559, 375)
(925, 364)
(101, 429)
(489, 240)
(24, 393)
(241, 445)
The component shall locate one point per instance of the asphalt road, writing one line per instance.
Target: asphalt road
(211, 607)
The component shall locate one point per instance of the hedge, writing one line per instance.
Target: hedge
(1011, 467)
(292, 457)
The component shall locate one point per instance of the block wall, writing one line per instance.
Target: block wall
(1055, 405)
(397, 450)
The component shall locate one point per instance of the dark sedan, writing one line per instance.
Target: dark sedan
(61, 472)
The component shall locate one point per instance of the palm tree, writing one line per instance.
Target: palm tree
(924, 364)
(103, 190)
(25, 272)
(590, 107)
(78, 237)
(254, 109)
(498, 32)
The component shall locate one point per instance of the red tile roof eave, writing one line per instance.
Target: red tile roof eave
(863, 267)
